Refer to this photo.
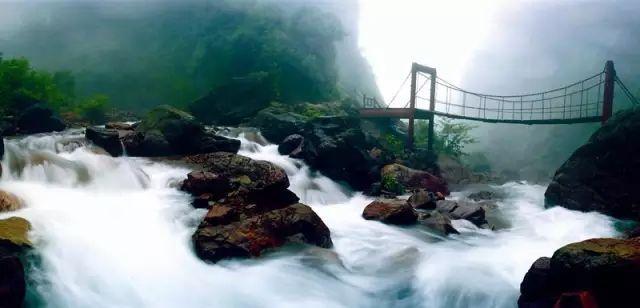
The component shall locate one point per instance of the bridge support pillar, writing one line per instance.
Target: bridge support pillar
(607, 98)
(412, 107)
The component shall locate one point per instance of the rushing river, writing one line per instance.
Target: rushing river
(115, 232)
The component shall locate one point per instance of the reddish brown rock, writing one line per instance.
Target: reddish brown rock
(220, 236)
(201, 182)
(412, 179)
(390, 211)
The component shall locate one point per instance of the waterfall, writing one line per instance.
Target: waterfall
(116, 232)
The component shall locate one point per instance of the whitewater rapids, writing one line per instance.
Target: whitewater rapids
(116, 232)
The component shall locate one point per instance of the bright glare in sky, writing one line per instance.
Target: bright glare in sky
(439, 33)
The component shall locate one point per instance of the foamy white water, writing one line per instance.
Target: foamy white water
(115, 232)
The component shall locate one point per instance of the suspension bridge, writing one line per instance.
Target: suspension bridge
(585, 101)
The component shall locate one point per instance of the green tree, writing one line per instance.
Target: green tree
(450, 136)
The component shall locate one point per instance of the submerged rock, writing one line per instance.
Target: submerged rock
(251, 209)
(411, 179)
(291, 145)
(604, 270)
(9, 202)
(390, 211)
(438, 222)
(603, 174)
(462, 210)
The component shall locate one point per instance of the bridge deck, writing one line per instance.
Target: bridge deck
(405, 113)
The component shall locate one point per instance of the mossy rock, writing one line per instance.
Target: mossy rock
(9, 202)
(158, 118)
(14, 233)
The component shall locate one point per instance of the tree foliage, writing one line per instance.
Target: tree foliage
(175, 53)
(450, 136)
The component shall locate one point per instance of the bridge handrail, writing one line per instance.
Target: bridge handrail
(450, 85)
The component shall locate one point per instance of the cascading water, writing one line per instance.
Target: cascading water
(115, 232)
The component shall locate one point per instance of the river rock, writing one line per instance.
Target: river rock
(164, 131)
(108, 139)
(603, 269)
(204, 182)
(251, 209)
(14, 241)
(276, 125)
(228, 236)
(252, 175)
(38, 119)
(603, 174)
(390, 211)
(482, 195)
(423, 199)
(121, 126)
(434, 220)
(411, 179)
(291, 145)
(462, 210)
(12, 281)
(9, 202)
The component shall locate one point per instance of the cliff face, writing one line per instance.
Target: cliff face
(604, 174)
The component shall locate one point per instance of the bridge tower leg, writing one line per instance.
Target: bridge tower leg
(609, 83)
(432, 107)
(412, 107)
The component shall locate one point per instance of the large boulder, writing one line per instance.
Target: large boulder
(603, 175)
(108, 139)
(412, 179)
(291, 145)
(276, 125)
(606, 269)
(224, 235)
(14, 241)
(9, 202)
(390, 211)
(250, 208)
(251, 175)
(164, 131)
(38, 119)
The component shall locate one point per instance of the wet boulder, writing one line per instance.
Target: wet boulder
(482, 195)
(390, 211)
(38, 119)
(164, 131)
(423, 199)
(410, 179)
(204, 182)
(9, 202)
(251, 175)
(291, 145)
(223, 235)
(250, 208)
(603, 174)
(462, 210)
(276, 125)
(435, 221)
(108, 139)
(601, 270)
(121, 126)
(14, 242)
